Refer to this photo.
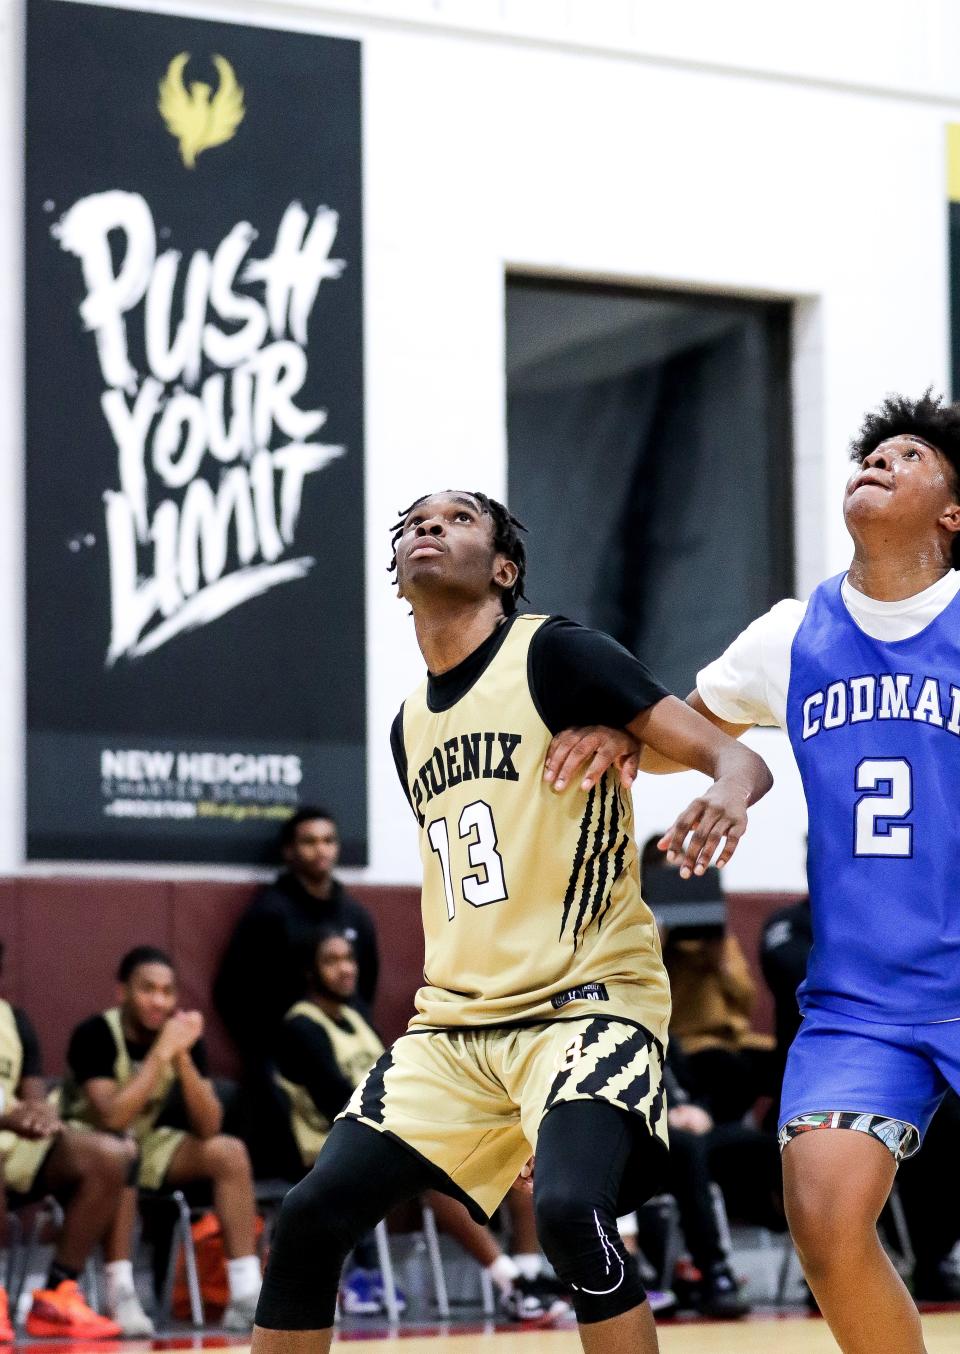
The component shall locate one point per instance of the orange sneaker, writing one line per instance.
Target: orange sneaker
(62, 1311)
(6, 1330)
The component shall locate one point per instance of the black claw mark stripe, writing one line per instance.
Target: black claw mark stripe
(602, 894)
(614, 1063)
(599, 837)
(594, 873)
(657, 1106)
(590, 1036)
(578, 859)
(634, 1092)
(617, 871)
(371, 1102)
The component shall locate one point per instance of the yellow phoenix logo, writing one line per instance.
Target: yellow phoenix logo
(198, 121)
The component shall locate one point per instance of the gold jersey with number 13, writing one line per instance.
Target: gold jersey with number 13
(531, 898)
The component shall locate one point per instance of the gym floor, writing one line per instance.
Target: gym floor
(759, 1335)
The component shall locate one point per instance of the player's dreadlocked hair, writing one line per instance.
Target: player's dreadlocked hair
(506, 541)
(928, 418)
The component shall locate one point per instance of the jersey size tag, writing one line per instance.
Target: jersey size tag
(587, 992)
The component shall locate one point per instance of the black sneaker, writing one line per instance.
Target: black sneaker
(720, 1295)
(934, 1284)
(555, 1296)
(523, 1303)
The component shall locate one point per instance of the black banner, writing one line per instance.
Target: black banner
(194, 434)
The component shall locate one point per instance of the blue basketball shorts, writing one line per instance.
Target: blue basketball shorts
(848, 1073)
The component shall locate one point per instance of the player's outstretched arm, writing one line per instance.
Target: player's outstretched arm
(656, 764)
(591, 749)
(718, 817)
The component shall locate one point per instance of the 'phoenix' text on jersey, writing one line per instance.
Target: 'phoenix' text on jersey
(470, 756)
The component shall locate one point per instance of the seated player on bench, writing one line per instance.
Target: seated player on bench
(132, 1067)
(39, 1156)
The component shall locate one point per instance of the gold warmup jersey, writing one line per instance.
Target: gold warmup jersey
(75, 1103)
(356, 1047)
(20, 1158)
(531, 899)
(11, 1056)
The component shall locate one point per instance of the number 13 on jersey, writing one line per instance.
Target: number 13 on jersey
(484, 882)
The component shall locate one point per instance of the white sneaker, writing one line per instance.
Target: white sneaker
(130, 1316)
(240, 1312)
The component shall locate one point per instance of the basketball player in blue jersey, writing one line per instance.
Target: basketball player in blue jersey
(543, 1014)
(865, 679)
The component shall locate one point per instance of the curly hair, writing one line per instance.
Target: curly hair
(930, 418)
(506, 541)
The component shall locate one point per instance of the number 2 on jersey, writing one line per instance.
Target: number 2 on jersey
(894, 778)
(486, 883)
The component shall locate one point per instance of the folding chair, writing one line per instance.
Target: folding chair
(22, 1254)
(181, 1239)
(665, 1206)
(432, 1246)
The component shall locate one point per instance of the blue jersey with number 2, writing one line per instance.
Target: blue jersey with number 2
(875, 728)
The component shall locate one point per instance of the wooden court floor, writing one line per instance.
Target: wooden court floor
(758, 1336)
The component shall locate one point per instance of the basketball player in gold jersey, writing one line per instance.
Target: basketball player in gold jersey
(543, 1015)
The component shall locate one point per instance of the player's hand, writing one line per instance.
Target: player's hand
(180, 1033)
(690, 1118)
(524, 1181)
(718, 816)
(32, 1119)
(595, 747)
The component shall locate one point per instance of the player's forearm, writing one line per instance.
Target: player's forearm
(741, 768)
(117, 1111)
(204, 1111)
(656, 764)
(689, 737)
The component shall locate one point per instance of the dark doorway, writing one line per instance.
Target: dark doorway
(650, 458)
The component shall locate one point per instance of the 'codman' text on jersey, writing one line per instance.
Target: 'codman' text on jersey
(900, 695)
(471, 756)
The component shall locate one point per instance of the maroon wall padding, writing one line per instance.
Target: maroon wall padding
(64, 936)
(72, 932)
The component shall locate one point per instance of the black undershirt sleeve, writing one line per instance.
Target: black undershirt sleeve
(582, 676)
(305, 1057)
(400, 753)
(92, 1051)
(32, 1065)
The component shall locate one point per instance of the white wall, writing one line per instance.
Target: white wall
(689, 144)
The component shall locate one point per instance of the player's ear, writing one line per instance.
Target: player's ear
(505, 573)
(950, 518)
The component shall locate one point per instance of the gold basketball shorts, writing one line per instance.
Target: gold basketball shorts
(471, 1102)
(157, 1149)
(21, 1159)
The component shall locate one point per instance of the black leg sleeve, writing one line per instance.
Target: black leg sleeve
(583, 1151)
(359, 1176)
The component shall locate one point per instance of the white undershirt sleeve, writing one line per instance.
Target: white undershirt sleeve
(748, 683)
